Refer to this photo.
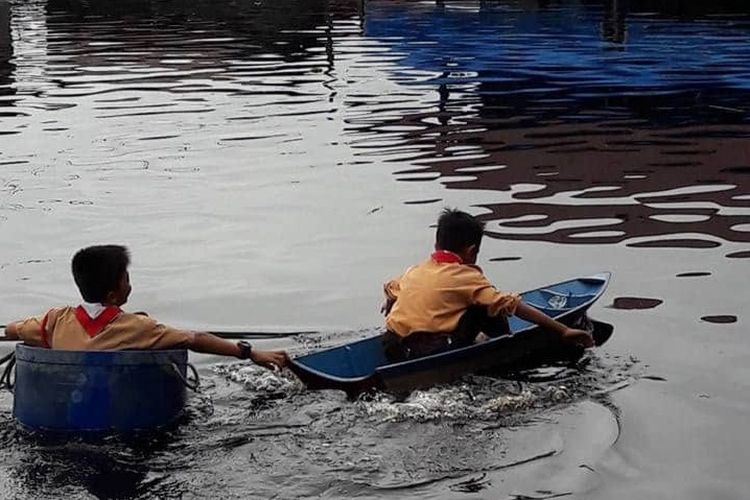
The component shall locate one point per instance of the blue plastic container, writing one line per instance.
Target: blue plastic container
(98, 391)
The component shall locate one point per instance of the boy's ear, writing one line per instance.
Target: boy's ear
(469, 253)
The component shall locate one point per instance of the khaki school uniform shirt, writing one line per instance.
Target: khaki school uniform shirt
(62, 330)
(432, 297)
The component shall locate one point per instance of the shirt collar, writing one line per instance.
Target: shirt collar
(93, 309)
(446, 257)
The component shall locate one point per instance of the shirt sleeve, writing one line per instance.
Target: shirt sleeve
(30, 330)
(392, 288)
(33, 331)
(149, 334)
(497, 302)
(166, 337)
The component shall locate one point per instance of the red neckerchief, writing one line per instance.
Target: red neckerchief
(94, 326)
(446, 257)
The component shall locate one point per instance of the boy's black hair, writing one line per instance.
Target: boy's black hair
(98, 270)
(457, 230)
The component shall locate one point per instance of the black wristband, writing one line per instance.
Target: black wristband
(246, 349)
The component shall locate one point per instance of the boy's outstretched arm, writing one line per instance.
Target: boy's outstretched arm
(211, 344)
(567, 334)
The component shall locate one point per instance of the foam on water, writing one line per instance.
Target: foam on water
(472, 398)
(455, 403)
(260, 380)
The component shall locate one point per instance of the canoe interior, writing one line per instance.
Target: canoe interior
(359, 361)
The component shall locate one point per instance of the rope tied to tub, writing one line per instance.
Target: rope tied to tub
(194, 384)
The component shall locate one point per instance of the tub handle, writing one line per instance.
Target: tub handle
(193, 385)
(8, 377)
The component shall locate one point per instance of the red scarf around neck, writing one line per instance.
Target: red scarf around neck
(446, 257)
(94, 326)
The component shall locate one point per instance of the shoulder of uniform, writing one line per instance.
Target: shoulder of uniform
(137, 317)
(474, 268)
(60, 311)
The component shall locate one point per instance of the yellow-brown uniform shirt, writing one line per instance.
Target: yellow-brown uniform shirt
(432, 296)
(63, 330)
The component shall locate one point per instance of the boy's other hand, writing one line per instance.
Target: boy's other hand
(578, 337)
(11, 331)
(386, 307)
(269, 359)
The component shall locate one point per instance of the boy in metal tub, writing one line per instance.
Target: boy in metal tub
(98, 323)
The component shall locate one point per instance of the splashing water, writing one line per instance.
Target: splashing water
(259, 380)
(473, 397)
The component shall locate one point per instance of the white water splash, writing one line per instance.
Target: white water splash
(459, 402)
(258, 379)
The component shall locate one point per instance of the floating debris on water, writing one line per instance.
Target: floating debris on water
(423, 202)
(676, 243)
(628, 303)
(720, 319)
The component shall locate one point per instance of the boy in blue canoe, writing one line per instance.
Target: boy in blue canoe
(445, 302)
(98, 323)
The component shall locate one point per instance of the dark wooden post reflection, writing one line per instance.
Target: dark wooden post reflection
(614, 28)
(6, 49)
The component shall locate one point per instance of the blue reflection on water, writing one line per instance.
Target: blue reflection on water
(564, 46)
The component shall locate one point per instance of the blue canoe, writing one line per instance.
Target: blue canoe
(362, 365)
(98, 392)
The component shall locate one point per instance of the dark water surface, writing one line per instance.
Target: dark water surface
(271, 163)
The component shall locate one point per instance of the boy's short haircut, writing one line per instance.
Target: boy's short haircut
(457, 230)
(97, 270)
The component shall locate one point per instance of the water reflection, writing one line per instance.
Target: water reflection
(209, 30)
(582, 143)
(6, 53)
(105, 468)
(72, 49)
(613, 25)
(683, 9)
(89, 468)
(594, 145)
